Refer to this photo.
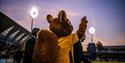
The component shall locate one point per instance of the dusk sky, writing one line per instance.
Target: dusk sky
(108, 16)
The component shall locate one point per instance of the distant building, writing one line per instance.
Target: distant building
(110, 53)
(99, 44)
(105, 53)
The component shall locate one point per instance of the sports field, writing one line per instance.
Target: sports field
(106, 62)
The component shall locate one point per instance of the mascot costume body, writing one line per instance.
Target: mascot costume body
(54, 45)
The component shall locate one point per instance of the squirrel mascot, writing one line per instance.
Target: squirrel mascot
(54, 45)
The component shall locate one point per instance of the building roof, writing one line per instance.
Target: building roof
(10, 31)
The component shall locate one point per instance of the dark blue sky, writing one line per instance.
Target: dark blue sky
(108, 15)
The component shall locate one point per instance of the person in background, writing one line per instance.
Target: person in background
(78, 53)
(18, 56)
(29, 46)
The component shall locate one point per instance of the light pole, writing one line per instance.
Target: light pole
(92, 32)
(91, 46)
(33, 14)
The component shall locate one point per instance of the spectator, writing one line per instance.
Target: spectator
(18, 56)
(78, 53)
(29, 46)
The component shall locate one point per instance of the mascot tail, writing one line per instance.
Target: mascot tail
(45, 49)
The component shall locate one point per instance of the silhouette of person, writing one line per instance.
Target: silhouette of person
(78, 53)
(18, 56)
(29, 46)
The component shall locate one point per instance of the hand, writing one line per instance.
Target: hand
(84, 19)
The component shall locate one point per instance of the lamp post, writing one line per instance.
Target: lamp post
(91, 46)
(92, 32)
(33, 14)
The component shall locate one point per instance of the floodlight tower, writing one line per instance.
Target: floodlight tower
(92, 32)
(91, 45)
(33, 14)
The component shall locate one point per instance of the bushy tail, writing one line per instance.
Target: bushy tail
(45, 48)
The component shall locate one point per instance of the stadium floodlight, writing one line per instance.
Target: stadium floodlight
(33, 13)
(92, 30)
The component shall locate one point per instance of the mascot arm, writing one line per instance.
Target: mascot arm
(82, 27)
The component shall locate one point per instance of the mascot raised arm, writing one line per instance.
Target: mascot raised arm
(54, 45)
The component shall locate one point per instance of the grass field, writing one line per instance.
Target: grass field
(106, 62)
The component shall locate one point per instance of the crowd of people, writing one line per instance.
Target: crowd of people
(7, 50)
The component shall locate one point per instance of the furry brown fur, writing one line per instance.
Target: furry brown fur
(45, 50)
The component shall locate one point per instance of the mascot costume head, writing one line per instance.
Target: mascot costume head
(61, 26)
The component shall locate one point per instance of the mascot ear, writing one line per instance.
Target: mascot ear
(62, 16)
(49, 18)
